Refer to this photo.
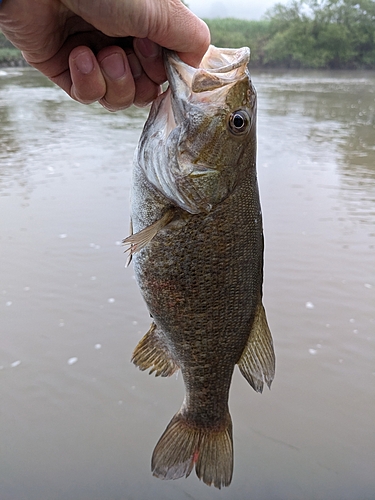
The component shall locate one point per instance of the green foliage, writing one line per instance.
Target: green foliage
(239, 33)
(322, 34)
(305, 34)
(9, 55)
(4, 42)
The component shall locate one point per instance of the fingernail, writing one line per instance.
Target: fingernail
(84, 63)
(148, 48)
(135, 65)
(113, 66)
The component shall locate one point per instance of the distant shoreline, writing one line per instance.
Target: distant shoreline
(11, 58)
(21, 63)
(302, 35)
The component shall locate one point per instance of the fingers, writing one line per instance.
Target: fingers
(87, 82)
(150, 56)
(118, 77)
(114, 78)
(146, 90)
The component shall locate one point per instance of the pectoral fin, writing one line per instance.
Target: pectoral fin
(139, 240)
(257, 363)
(129, 259)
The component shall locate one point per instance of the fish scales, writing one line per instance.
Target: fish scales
(199, 294)
(198, 258)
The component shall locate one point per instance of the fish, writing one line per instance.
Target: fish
(197, 246)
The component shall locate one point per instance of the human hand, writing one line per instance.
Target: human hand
(104, 50)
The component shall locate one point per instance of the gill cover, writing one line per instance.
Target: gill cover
(199, 129)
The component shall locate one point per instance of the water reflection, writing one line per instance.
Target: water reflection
(78, 421)
(8, 143)
(341, 106)
(41, 126)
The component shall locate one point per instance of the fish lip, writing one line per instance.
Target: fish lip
(217, 60)
(218, 68)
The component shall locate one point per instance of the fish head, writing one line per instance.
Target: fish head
(202, 130)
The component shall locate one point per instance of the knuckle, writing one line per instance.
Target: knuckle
(116, 104)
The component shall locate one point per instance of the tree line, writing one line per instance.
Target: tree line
(333, 34)
(324, 34)
(9, 56)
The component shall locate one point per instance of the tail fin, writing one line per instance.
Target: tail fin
(182, 446)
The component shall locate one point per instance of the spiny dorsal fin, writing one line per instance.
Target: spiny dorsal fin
(139, 240)
(257, 363)
(152, 352)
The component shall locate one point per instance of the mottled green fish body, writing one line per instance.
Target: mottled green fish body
(197, 248)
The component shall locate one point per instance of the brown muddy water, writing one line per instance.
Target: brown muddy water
(77, 420)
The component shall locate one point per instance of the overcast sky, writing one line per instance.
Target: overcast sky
(243, 9)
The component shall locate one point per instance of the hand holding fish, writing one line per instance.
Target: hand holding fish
(107, 51)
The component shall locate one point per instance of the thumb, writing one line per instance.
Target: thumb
(168, 23)
(177, 28)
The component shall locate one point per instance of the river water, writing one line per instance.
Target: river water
(77, 420)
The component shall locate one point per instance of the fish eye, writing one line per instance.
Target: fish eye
(239, 122)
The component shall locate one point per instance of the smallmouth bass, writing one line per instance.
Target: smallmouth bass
(197, 248)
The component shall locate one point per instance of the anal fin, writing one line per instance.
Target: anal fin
(152, 353)
(257, 363)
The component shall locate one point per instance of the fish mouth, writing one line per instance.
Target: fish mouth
(218, 69)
